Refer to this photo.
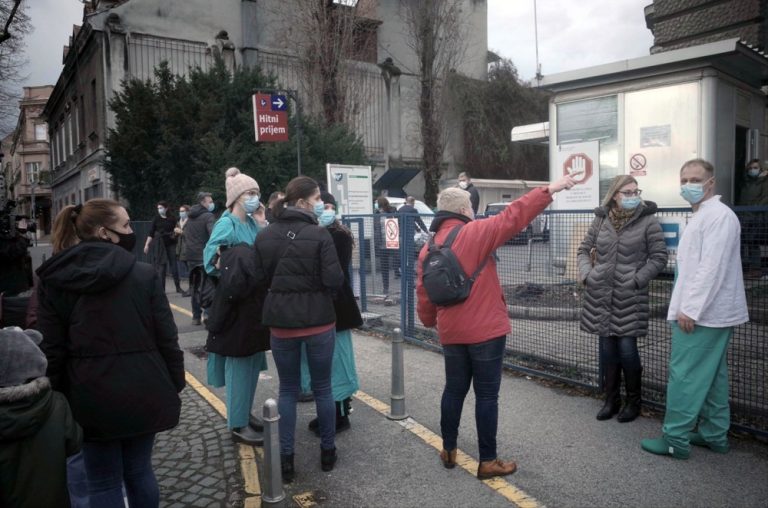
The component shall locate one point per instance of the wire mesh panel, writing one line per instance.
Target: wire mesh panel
(539, 278)
(145, 52)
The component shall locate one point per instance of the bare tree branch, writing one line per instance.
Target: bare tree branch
(6, 34)
(14, 18)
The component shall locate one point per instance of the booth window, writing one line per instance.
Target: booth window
(593, 120)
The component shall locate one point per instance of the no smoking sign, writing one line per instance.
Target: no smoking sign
(637, 163)
(392, 233)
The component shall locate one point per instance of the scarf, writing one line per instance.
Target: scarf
(619, 217)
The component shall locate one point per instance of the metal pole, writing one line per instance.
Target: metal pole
(273, 485)
(32, 215)
(295, 95)
(397, 405)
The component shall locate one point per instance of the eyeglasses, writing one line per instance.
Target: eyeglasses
(630, 193)
(252, 194)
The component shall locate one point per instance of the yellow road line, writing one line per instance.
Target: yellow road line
(247, 455)
(503, 487)
(180, 309)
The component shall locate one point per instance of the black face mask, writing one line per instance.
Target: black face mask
(126, 240)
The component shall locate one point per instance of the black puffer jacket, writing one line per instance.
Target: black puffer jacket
(297, 260)
(110, 340)
(197, 231)
(616, 296)
(347, 312)
(234, 324)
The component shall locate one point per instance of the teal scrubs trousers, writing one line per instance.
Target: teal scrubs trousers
(697, 391)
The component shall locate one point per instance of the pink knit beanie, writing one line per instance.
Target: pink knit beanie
(237, 183)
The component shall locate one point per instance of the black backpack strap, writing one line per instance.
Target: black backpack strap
(449, 241)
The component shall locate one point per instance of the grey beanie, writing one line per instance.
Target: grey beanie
(20, 358)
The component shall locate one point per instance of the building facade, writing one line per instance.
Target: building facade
(677, 24)
(125, 39)
(28, 167)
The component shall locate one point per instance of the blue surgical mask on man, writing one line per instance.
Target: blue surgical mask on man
(630, 203)
(318, 208)
(251, 204)
(327, 218)
(693, 192)
(161, 210)
(211, 206)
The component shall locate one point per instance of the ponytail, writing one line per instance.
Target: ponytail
(277, 207)
(64, 233)
(81, 222)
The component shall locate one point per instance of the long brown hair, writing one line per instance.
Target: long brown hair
(300, 187)
(81, 222)
(617, 183)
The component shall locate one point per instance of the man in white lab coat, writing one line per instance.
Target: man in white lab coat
(707, 302)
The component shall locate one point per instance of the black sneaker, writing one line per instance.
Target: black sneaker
(327, 459)
(247, 435)
(196, 321)
(256, 423)
(286, 468)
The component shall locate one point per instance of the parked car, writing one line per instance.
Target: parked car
(420, 206)
(537, 230)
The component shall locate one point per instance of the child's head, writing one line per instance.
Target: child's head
(20, 358)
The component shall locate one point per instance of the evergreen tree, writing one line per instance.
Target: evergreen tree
(175, 136)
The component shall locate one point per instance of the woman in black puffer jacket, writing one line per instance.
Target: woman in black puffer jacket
(297, 260)
(112, 349)
(627, 245)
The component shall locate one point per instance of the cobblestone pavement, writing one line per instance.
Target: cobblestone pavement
(197, 463)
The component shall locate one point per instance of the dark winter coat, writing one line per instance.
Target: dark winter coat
(474, 197)
(37, 434)
(296, 259)
(197, 231)
(616, 296)
(110, 340)
(234, 322)
(162, 227)
(347, 312)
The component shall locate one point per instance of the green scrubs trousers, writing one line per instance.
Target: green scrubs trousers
(697, 391)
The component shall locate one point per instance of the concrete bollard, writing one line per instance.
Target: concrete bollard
(397, 405)
(273, 475)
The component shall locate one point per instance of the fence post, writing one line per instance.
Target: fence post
(273, 485)
(397, 404)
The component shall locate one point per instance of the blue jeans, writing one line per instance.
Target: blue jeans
(111, 464)
(77, 481)
(479, 364)
(287, 355)
(620, 351)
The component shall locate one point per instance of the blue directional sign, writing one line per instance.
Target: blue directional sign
(671, 234)
(279, 103)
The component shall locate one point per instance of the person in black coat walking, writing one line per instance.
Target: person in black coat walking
(297, 260)
(112, 349)
(163, 226)
(465, 183)
(197, 231)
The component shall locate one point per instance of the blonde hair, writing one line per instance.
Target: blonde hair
(453, 200)
(617, 183)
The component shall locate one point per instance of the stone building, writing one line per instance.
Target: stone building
(681, 23)
(123, 39)
(27, 159)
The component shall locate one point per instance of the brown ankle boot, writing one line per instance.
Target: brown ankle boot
(496, 467)
(448, 458)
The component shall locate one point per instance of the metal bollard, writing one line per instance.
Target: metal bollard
(397, 405)
(273, 474)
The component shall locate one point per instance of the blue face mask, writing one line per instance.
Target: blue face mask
(251, 204)
(327, 218)
(211, 206)
(161, 211)
(182, 215)
(319, 208)
(692, 192)
(630, 203)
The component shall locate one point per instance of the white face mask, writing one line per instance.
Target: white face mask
(753, 172)
(463, 185)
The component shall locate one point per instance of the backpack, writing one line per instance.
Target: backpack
(442, 276)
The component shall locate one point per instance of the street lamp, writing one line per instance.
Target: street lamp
(32, 179)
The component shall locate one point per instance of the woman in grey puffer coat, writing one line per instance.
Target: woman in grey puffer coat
(627, 245)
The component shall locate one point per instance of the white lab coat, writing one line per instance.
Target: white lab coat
(710, 286)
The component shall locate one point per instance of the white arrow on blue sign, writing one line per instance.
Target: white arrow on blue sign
(279, 103)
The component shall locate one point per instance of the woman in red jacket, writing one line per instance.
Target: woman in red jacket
(474, 348)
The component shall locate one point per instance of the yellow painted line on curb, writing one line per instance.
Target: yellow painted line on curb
(247, 455)
(501, 486)
(180, 309)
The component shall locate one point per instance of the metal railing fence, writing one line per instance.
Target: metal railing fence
(538, 274)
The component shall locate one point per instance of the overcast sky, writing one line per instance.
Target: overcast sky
(571, 34)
